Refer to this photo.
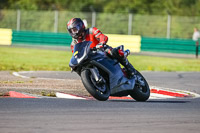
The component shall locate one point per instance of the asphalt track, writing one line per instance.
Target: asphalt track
(82, 116)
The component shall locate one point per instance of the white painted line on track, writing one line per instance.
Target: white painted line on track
(18, 75)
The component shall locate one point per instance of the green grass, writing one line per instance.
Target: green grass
(29, 59)
(151, 63)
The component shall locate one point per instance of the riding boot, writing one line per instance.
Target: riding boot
(119, 55)
(130, 70)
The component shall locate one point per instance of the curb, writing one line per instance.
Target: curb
(15, 94)
(173, 92)
(156, 93)
(168, 93)
(68, 96)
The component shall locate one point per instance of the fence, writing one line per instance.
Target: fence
(135, 43)
(41, 38)
(179, 46)
(167, 26)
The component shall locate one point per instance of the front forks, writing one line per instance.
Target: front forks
(98, 78)
(95, 74)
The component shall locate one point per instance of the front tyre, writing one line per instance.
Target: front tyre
(141, 91)
(100, 92)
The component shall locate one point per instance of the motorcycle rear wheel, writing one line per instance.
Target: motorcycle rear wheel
(140, 93)
(86, 78)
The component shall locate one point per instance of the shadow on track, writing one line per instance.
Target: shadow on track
(156, 101)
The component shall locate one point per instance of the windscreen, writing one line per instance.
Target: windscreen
(80, 53)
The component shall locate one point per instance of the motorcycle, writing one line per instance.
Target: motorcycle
(102, 76)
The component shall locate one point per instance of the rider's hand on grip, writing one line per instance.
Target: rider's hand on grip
(99, 46)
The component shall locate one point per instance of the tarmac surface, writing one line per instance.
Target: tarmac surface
(113, 116)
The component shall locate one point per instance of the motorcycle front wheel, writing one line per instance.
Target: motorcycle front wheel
(141, 91)
(99, 92)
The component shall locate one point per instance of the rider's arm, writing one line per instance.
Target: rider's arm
(99, 36)
(72, 44)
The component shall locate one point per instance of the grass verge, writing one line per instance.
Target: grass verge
(30, 59)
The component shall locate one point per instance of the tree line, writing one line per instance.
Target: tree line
(155, 7)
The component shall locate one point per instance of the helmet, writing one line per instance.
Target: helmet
(76, 27)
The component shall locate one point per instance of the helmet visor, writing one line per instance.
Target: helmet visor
(76, 29)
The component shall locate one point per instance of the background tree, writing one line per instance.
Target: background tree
(157, 7)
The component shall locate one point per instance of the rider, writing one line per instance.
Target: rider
(79, 33)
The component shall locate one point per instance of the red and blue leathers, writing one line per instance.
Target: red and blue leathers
(92, 34)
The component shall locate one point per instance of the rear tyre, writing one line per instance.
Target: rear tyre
(99, 92)
(141, 91)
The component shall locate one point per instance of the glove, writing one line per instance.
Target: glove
(100, 46)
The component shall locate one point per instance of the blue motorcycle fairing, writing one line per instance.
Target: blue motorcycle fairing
(111, 66)
(80, 53)
(118, 82)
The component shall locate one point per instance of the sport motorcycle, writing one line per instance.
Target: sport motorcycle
(103, 76)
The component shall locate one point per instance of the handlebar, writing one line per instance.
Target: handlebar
(126, 52)
(101, 49)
